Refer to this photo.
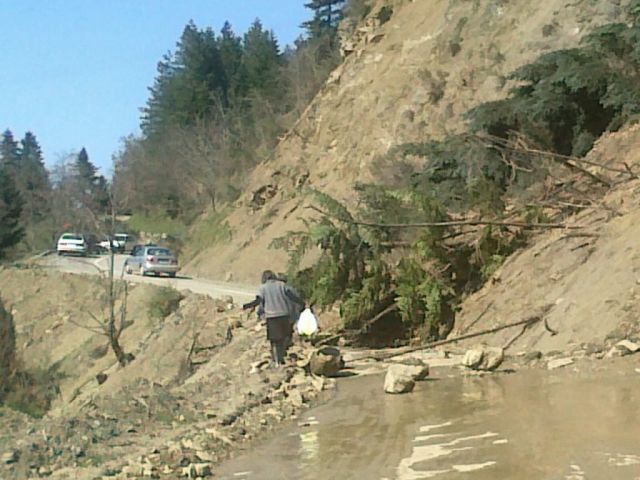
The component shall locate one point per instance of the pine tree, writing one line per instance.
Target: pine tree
(230, 46)
(9, 150)
(322, 31)
(190, 83)
(261, 63)
(85, 172)
(101, 197)
(33, 179)
(327, 16)
(11, 231)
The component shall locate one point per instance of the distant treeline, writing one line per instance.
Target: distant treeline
(35, 204)
(216, 109)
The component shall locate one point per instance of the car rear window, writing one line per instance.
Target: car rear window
(158, 251)
(71, 236)
(121, 237)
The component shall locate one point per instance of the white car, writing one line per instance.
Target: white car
(72, 243)
(118, 243)
(123, 240)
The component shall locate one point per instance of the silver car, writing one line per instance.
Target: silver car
(146, 259)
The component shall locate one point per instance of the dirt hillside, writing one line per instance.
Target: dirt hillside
(412, 69)
(198, 388)
(587, 279)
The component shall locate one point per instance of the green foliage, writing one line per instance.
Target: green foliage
(9, 151)
(354, 268)
(163, 302)
(567, 98)
(11, 204)
(33, 180)
(217, 106)
(361, 304)
(491, 266)
(345, 252)
(327, 14)
(421, 297)
(460, 172)
(157, 223)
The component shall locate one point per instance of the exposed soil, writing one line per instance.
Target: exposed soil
(408, 79)
(198, 387)
(589, 278)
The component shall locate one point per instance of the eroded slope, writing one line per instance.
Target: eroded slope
(408, 79)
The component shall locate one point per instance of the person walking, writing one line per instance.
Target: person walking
(294, 308)
(274, 298)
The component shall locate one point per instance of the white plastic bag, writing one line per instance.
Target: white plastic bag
(307, 323)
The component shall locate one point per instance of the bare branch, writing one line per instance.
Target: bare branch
(454, 223)
(86, 327)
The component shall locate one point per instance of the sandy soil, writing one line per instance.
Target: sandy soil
(198, 387)
(405, 82)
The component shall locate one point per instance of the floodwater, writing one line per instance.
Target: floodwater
(527, 425)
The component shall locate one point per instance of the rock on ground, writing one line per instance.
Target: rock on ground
(400, 379)
(623, 348)
(483, 358)
(559, 363)
(417, 368)
(326, 362)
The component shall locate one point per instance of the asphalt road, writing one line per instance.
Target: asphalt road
(96, 264)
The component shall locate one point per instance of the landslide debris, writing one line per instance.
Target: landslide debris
(588, 277)
(412, 70)
(199, 386)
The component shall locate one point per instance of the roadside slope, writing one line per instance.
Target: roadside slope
(414, 70)
(198, 388)
(589, 278)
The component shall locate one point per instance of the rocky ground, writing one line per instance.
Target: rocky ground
(151, 430)
(222, 395)
(199, 388)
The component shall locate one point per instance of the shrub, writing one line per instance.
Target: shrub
(163, 302)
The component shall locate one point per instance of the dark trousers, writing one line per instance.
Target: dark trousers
(278, 331)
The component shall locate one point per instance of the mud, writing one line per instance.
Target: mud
(578, 423)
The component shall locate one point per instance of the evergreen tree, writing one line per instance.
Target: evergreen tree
(101, 197)
(261, 63)
(11, 231)
(327, 14)
(189, 85)
(230, 46)
(33, 179)
(85, 172)
(9, 151)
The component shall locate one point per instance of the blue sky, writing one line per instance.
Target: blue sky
(76, 72)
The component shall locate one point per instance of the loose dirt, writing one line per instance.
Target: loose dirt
(199, 385)
(409, 79)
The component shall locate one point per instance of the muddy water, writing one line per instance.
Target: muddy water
(528, 425)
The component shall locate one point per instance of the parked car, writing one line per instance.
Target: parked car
(123, 241)
(119, 243)
(146, 259)
(72, 243)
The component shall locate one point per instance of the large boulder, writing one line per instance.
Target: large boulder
(326, 362)
(399, 379)
(417, 368)
(483, 358)
(472, 358)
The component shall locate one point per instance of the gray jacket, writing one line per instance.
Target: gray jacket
(277, 298)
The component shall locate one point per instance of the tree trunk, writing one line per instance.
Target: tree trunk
(114, 333)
